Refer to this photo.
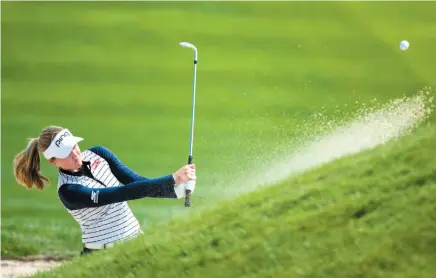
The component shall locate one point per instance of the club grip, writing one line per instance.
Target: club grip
(188, 198)
(188, 192)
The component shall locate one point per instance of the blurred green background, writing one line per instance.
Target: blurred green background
(113, 73)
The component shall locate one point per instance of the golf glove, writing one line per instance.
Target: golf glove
(180, 189)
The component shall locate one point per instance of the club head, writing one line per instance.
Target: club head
(188, 45)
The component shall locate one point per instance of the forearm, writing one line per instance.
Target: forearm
(155, 188)
(76, 196)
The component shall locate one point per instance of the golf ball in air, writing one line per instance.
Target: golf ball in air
(404, 45)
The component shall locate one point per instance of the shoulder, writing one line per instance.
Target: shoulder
(99, 149)
(104, 153)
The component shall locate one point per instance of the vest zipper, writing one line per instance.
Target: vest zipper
(90, 175)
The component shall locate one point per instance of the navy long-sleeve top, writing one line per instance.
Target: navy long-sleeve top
(77, 196)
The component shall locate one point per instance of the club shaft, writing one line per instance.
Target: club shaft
(191, 140)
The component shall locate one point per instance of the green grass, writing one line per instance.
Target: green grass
(114, 74)
(370, 215)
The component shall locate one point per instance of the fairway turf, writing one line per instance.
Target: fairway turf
(114, 74)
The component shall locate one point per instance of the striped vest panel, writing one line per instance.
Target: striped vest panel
(105, 224)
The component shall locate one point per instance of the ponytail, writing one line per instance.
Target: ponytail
(27, 166)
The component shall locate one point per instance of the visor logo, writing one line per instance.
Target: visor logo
(62, 137)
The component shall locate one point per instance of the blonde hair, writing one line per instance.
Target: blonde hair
(27, 164)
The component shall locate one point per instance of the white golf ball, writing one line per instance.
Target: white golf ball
(404, 45)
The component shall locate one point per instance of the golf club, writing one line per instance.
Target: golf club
(191, 141)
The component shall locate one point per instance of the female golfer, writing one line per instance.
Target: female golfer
(89, 185)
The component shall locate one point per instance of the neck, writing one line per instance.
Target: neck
(73, 170)
(77, 172)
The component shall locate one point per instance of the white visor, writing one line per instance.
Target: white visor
(62, 145)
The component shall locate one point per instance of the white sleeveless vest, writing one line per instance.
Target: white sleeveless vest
(105, 224)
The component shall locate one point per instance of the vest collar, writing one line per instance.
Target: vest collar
(82, 171)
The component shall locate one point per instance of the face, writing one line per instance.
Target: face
(71, 162)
